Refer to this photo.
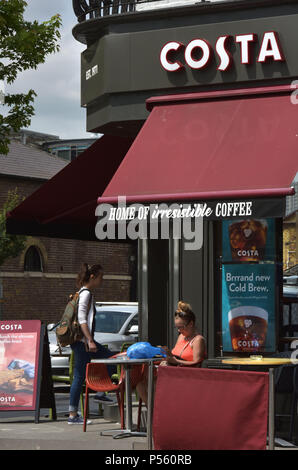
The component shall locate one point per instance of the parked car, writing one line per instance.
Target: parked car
(115, 323)
(290, 286)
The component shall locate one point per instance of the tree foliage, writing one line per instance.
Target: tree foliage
(10, 245)
(23, 45)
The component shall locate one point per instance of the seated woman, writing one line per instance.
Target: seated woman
(189, 350)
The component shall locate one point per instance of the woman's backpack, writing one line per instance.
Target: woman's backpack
(68, 330)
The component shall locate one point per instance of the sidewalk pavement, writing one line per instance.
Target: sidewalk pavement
(19, 432)
(58, 435)
(24, 434)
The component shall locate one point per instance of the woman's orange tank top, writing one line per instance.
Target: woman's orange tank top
(183, 349)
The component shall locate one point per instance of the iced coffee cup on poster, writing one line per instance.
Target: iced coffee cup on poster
(248, 328)
(248, 239)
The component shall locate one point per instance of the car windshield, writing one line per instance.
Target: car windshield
(52, 336)
(110, 321)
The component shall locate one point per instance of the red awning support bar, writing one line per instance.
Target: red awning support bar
(218, 94)
(219, 195)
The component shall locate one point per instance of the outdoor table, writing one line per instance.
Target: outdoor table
(270, 363)
(288, 339)
(127, 364)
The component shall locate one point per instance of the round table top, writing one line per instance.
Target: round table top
(262, 361)
(126, 360)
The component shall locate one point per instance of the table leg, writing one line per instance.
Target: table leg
(150, 405)
(128, 399)
(271, 420)
(117, 434)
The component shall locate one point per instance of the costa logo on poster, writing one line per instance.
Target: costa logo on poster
(10, 326)
(270, 49)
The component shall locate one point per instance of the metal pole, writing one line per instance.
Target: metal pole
(150, 405)
(128, 399)
(271, 419)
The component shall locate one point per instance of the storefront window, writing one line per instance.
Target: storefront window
(33, 260)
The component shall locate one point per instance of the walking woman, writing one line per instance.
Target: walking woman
(89, 278)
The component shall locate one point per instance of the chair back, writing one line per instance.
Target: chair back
(98, 378)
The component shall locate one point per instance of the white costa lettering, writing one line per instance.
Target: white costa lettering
(198, 52)
(10, 326)
(244, 40)
(7, 399)
(164, 60)
(224, 55)
(205, 49)
(270, 48)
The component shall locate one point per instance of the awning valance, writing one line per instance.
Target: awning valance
(230, 145)
(221, 145)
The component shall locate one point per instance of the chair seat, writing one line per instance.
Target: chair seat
(98, 380)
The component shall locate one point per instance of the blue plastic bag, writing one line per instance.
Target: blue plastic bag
(143, 350)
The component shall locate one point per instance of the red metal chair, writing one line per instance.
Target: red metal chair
(136, 375)
(98, 380)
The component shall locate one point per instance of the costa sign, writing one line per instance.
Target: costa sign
(198, 53)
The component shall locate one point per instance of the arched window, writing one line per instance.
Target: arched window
(33, 259)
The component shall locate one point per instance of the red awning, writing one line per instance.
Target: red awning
(229, 144)
(65, 205)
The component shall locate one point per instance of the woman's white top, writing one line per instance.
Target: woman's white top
(85, 315)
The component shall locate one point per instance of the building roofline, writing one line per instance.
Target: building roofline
(87, 31)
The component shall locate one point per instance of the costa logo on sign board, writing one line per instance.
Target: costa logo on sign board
(198, 52)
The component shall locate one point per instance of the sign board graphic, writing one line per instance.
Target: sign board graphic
(25, 368)
(19, 352)
(248, 240)
(248, 307)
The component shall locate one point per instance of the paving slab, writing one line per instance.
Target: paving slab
(19, 432)
(59, 435)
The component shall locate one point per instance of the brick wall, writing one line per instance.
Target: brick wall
(24, 186)
(30, 298)
(44, 295)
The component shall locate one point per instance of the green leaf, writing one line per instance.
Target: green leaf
(10, 245)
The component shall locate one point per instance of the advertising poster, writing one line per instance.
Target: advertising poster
(248, 240)
(248, 308)
(19, 353)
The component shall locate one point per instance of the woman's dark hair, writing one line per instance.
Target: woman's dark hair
(184, 311)
(86, 271)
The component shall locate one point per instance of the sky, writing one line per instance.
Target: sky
(57, 81)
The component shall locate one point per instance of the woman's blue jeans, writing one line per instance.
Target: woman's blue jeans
(81, 359)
